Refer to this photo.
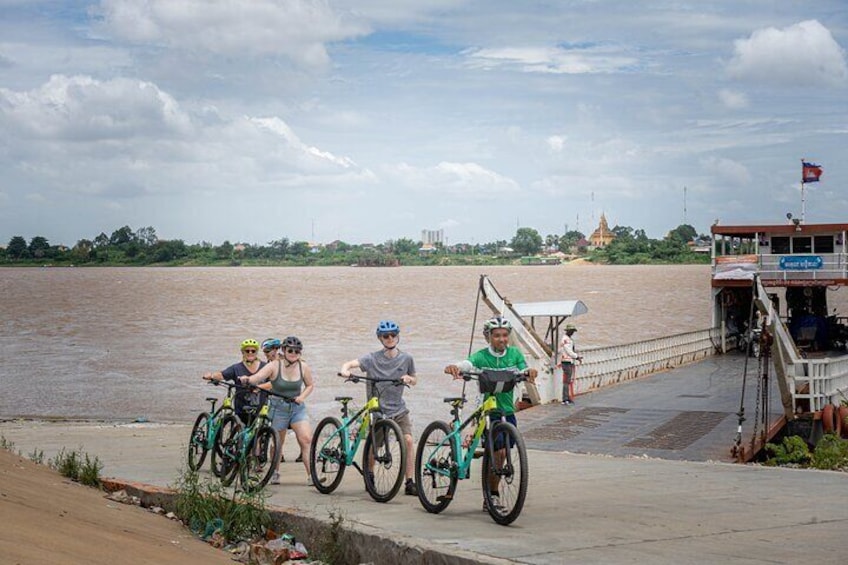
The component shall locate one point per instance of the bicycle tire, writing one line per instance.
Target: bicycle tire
(512, 472)
(216, 456)
(386, 444)
(436, 451)
(197, 446)
(230, 438)
(260, 459)
(327, 456)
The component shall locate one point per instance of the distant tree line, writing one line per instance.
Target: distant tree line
(142, 247)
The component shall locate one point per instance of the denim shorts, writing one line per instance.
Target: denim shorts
(500, 439)
(287, 413)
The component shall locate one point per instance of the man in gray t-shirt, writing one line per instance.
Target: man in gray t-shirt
(390, 364)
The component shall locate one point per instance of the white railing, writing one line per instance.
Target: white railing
(810, 383)
(832, 266)
(604, 366)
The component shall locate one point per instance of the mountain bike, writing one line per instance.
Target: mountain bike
(443, 458)
(205, 431)
(335, 443)
(251, 451)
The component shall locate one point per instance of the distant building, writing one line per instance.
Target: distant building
(602, 236)
(432, 237)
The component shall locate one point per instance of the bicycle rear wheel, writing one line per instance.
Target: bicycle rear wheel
(505, 479)
(327, 455)
(229, 441)
(260, 460)
(435, 467)
(384, 460)
(197, 446)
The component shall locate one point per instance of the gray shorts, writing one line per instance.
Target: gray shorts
(404, 422)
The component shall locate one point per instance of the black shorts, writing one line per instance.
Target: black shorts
(500, 439)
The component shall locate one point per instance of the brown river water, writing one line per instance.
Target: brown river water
(128, 343)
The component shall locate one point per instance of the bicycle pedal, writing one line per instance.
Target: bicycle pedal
(444, 498)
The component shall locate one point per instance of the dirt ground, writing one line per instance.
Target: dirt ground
(49, 519)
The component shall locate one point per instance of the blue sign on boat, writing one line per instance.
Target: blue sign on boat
(801, 262)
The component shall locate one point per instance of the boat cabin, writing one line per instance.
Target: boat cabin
(786, 279)
(800, 264)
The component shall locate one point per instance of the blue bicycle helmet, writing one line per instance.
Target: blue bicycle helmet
(271, 343)
(387, 327)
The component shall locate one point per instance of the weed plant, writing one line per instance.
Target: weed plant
(6, 444)
(206, 506)
(330, 548)
(792, 451)
(831, 453)
(77, 466)
(36, 456)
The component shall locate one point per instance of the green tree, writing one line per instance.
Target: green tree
(39, 247)
(146, 236)
(121, 236)
(683, 233)
(101, 240)
(17, 248)
(406, 246)
(527, 241)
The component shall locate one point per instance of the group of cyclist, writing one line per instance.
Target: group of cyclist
(287, 375)
(284, 373)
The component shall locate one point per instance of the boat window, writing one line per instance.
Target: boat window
(823, 243)
(803, 244)
(780, 245)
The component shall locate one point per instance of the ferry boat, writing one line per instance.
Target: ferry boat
(777, 280)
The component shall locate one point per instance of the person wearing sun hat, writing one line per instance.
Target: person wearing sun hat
(568, 360)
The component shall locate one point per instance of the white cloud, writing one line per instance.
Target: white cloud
(82, 108)
(733, 99)
(554, 60)
(728, 171)
(556, 143)
(457, 179)
(803, 54)
(297, 29)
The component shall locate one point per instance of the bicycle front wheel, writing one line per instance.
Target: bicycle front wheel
(197, 446)
(505, 474)
(260, 459)
(227, 452)
(220, 429)
(384, 460)
(435, 467)
(327, 455)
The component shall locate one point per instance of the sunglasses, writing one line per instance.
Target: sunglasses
(270, 350)
(389, 336)
(290, 350)
(249, 351)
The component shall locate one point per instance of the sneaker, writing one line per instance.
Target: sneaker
(411, 488)
(282, 458)
(567, 402)
(275, 479)
(309, 481)
(496, 504)
(299, 458)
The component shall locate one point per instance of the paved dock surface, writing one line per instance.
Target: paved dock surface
(628, 508)
(688, 414)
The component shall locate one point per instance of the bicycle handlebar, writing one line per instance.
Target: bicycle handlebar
(474, 374)
(357, 378)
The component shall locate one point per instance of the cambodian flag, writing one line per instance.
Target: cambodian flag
(810, 172)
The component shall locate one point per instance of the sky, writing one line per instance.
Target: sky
(369, 120)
